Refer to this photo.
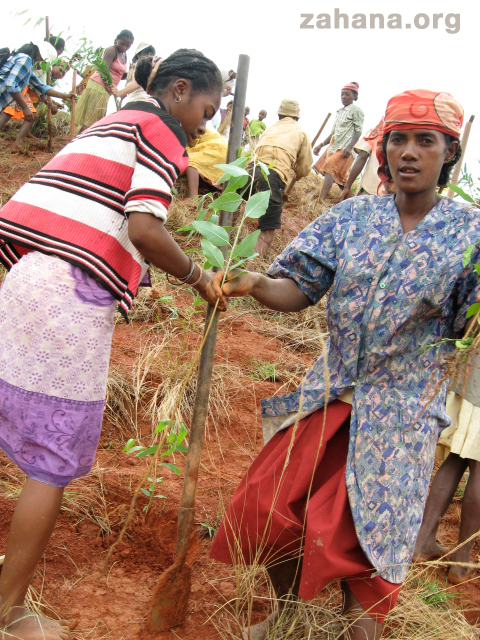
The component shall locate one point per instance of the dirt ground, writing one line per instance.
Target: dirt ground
(115, 605)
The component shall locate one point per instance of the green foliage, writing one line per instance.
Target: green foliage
(264, 371)
(172, 444)
(235, 254)
(432, 592)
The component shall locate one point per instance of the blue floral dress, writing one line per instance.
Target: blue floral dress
(392, 295)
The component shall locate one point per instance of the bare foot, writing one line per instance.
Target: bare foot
(22, 624)
(429, 551)
(458, 574)
(259, 631)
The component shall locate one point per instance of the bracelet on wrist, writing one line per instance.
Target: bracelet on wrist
(186, 279)
(194, 284)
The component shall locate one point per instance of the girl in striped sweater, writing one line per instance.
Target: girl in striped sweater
(77, 240)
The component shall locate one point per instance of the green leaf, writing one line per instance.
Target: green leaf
(213, 254)
(236, 183)
(217, 235)
(182, 229)
(232, 169)
(242, 160)
(129, 444)
(467, 255)
(477, 268)
(25, 23)
(162, 425)
(170, 466)
(265, 169)
(227, 202)
(146, 492)
(148, 452)
(245, 248)
(460, 192)
(182, 448)
(182, 434)
(473, 309)
(240, 263)
(257, 204)
(207, 265)
(39, 21)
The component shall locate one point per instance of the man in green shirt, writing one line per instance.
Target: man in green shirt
(255, 129)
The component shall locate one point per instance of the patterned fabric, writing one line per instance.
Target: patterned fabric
(393, 295)
(348, 121)
(15, 75)
(56, 326)
(77, 205)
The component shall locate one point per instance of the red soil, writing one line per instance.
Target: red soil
(116, 605)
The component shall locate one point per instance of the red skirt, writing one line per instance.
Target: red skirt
(267, 518)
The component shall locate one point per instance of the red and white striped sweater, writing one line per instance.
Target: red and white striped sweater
(77, 206)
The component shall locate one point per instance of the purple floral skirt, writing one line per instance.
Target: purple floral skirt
(56, 326)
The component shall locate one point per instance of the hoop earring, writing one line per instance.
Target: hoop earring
(179, 99)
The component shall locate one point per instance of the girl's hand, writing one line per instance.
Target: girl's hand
(235, 286)
(203, 288)
(28, 115)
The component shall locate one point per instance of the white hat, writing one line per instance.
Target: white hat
(47, 51)
(141, 47)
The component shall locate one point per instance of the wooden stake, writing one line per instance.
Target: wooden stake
(458, 166)
(49, 102)
(72, 109)
(320, 130)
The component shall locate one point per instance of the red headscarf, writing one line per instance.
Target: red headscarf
(352, 86)
(420, 109)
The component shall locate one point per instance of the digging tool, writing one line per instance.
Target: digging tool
(49, 79)
(458, 166)
(321, 129)
(170, 599)
(72, 108)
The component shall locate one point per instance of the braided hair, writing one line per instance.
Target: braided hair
(184, 63)
(444, 176)
(29, 49)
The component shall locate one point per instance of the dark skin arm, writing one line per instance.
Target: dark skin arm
(325, 143)
(279, 294)
(148, 234)
(358, 165)
(349, 148)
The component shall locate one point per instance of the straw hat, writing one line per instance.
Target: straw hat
(141, 47)
(47, 51)
(289, 108)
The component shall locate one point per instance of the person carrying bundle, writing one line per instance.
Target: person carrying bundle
(339, 489)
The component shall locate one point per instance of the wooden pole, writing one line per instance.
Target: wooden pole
(320, 130)
(49, 103)
(72, 108)
(458, 166)
(170, 599)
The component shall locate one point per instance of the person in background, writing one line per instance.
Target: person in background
(226, 120)
(255, 129)
(459, 449)
(92, 104)
(347, 129)
(204, 153)
(229, 80)
(339, 489)
(286, 146)
(58, 43)
(77, 240)
(132, 89)
(371, 183)
(245, 119)
(15, 77)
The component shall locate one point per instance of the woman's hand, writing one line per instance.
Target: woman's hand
(346, 153)
(237, 284)
(316, 151)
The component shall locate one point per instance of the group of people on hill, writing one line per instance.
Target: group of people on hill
(339, 490)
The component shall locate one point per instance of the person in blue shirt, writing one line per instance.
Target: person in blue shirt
(16, 74)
